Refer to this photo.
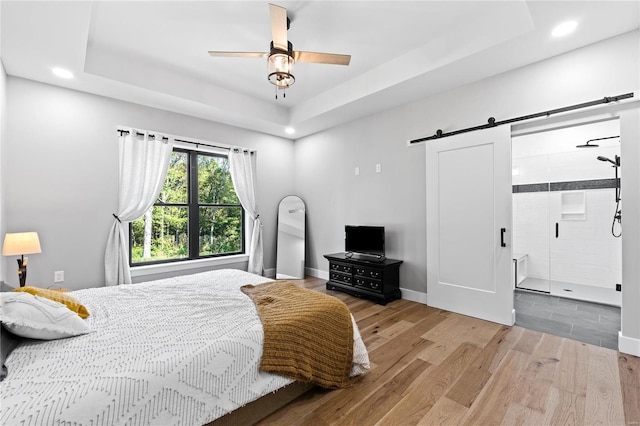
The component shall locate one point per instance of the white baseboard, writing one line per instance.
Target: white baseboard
(628, 345)
(414, 296)
(317, 273)
(270, 273)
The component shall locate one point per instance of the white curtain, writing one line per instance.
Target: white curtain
(144, 160)
(242, 166)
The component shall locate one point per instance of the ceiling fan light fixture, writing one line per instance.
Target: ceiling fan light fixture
(280, 63)
(281, 57)
(281, 70)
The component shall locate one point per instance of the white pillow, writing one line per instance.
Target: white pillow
(36, 317)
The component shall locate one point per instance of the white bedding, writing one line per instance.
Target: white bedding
(179, 351)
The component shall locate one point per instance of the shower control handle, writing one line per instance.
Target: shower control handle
(557, 229)
(502, 231)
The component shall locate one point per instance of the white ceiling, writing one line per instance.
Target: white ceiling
(155, 52)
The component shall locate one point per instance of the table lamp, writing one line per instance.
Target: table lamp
(21, 243)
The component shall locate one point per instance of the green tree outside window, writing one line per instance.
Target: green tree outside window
(198, 201)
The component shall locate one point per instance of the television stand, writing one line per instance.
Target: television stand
(374, 279)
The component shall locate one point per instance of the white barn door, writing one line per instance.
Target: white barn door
(469, 224)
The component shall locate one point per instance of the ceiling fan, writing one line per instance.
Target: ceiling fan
(281, 56)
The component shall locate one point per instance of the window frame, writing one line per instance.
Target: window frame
(193, 211)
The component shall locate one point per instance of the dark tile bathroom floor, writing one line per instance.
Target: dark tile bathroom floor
(583, 321)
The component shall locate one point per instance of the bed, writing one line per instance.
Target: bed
(178, 351)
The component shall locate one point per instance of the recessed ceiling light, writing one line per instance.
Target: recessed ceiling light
(564, 29)
(61, 72)
(290, 130)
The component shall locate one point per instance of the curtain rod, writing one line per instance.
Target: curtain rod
(177, 140)
(493, 123)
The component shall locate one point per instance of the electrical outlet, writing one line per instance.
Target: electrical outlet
(618, 287)
(58, 276)
(378, 168)
(357, 171)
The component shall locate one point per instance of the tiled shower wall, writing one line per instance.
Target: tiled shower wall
(545, 166)
(585, 251)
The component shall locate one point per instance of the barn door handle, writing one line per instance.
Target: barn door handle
(502, 231)
(557, 229)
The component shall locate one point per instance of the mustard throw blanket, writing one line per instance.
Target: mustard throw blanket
(308, 336)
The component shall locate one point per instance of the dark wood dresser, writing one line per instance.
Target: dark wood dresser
(377, 280)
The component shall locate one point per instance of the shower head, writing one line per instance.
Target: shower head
(615, 163)
(588, 145)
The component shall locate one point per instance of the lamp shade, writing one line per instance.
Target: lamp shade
(21, 243)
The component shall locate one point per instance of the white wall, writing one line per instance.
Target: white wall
(60, 165)
(395, 198)
(3, 138)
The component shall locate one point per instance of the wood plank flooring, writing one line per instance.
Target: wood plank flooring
(432, 367)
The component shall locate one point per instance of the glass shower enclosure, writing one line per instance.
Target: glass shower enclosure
(565, 238)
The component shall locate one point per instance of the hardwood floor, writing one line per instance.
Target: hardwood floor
(430, 366)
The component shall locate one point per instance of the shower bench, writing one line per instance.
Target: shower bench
(519, 268)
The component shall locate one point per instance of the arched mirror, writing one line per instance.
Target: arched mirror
(291, 238)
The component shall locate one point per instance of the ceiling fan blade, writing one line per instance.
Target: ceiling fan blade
(239, 54)
(278, 26)
(322, 58)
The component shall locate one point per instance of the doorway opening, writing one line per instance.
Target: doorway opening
(567, 248)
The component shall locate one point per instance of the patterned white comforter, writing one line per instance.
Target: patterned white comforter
(179, 351)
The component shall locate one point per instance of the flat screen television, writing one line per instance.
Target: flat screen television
(367, 240)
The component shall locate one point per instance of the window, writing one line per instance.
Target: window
(196, 215)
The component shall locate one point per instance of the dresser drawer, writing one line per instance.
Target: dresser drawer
(374, 285)
(340, 267)
(362, 271)
(339, 277)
